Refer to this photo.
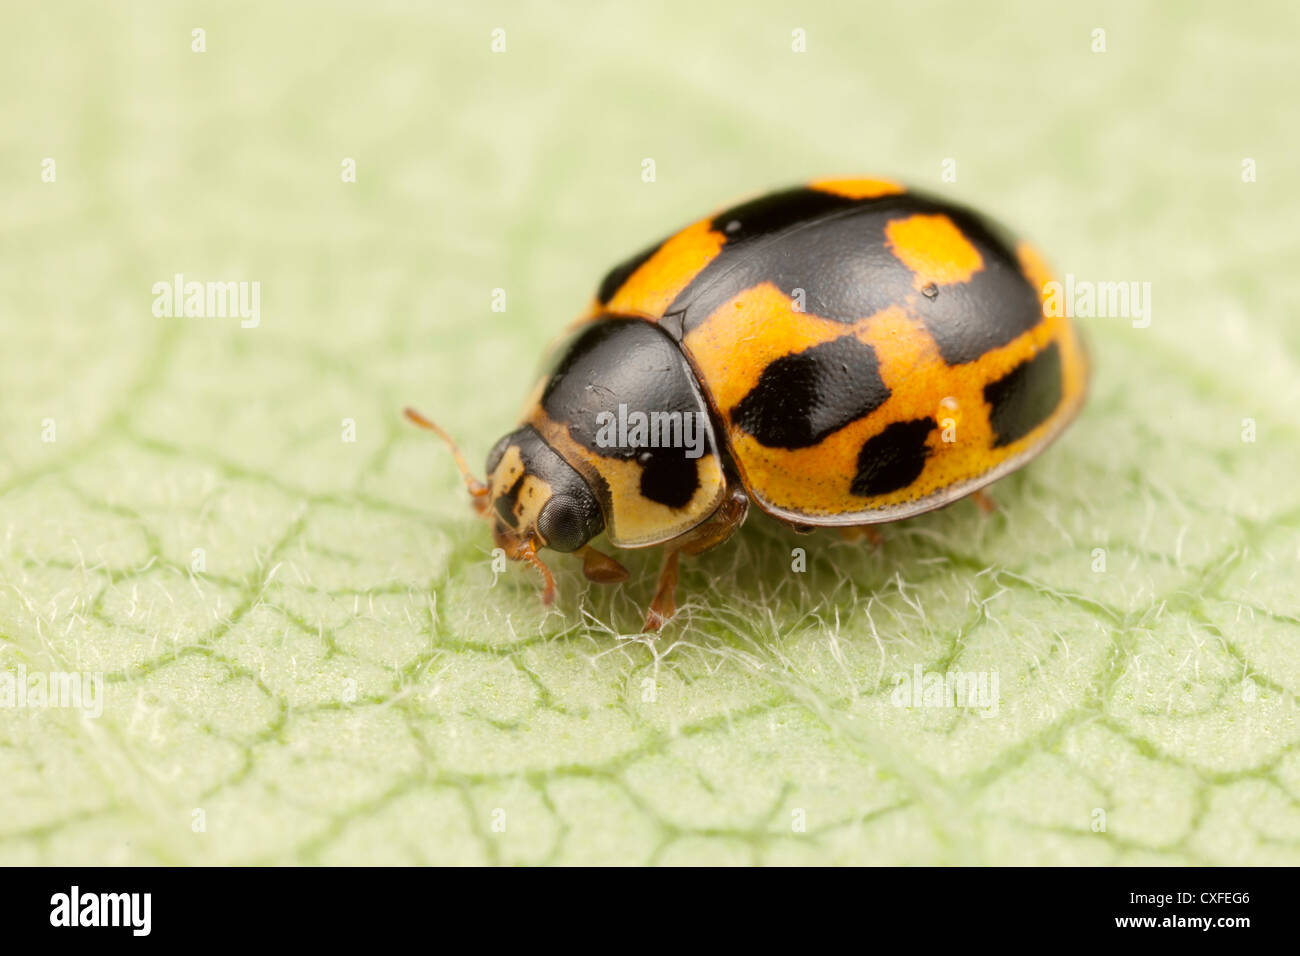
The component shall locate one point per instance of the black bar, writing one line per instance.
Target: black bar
(336, 907)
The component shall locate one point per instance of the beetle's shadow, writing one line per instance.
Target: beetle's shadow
(768, 579)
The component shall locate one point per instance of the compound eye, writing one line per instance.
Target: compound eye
(562, 525)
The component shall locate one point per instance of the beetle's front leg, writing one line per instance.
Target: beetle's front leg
(714, 530)
(870, 532)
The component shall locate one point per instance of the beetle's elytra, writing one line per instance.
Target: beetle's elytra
(840, 354)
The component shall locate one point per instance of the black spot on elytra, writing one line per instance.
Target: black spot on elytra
(835, 250)
(774, 213)
(893, 459)
(802, 398)
(1025, 397)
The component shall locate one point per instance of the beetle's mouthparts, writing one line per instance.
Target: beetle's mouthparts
(526, 550)
(478, 490)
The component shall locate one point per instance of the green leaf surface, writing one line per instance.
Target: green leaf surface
(347, 681)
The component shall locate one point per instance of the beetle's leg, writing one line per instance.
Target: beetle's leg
(548, 582)
(600, 567)
(527, 552)
(985, 502)
(868, 531)
(664, 604)
(715, 529)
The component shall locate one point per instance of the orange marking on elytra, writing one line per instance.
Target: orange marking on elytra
(858, 188)
(651, 289)
(934, 249)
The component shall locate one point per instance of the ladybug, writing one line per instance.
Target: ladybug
(841, 354)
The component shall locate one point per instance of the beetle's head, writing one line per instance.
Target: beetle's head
(534, 499)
